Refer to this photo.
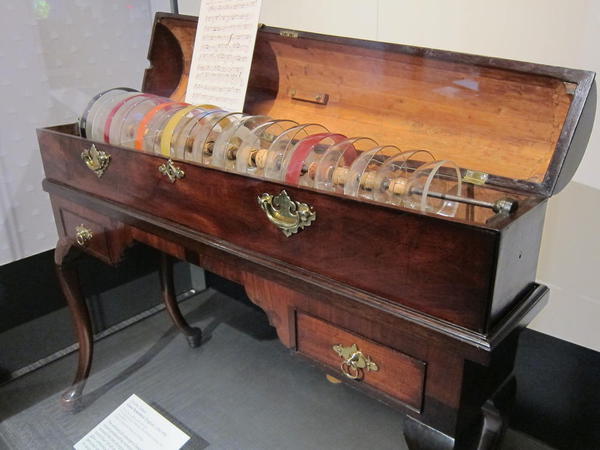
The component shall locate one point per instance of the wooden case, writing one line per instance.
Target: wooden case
(435, 291)
(464, 271)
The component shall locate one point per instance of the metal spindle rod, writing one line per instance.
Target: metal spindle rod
(507, 205)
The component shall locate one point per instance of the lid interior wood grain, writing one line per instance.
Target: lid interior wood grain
(500, 117)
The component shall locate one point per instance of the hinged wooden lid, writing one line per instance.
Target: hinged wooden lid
(524, 126)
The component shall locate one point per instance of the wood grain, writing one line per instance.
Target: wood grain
(398, 375)
(439, 267)
(510, 119)
(110, 239)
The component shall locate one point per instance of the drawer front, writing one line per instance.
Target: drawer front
(387, 370)
(90, 235)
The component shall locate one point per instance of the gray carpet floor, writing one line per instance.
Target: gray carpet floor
(241, 390)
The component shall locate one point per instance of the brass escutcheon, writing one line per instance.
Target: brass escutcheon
(83, 235)
(95, 160)
(288, 215)
(354, 362)
(173, 172)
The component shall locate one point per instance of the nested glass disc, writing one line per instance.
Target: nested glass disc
(85, 121)
(431, 181)
(361, 179)
(155, 127)
(117, 120)
(182, 142)
(126, 131)
(282, 145)
(180, 145)
(392, 178)
(229, 141)
(252, 152)
(300, 164)
(229, 120)
(100, 111)
(333, 168)
(199, 132)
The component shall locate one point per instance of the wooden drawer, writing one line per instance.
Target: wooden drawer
(96, 242)
(396, 374)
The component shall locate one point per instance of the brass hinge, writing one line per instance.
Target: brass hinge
(289, 34)
(475, 177)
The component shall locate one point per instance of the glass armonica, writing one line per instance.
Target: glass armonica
(251, 157)
(284, 145)
(333, 168)
(300, 164)
(87, 118)
(182, 140)
(229, 142)
(125, 120)
(280, 150)
(155, 126)
(100, 110)
(201, 150)
(217, 128)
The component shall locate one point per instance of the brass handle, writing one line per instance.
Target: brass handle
(171, 171)
(95, 160)
(354, 362)
(83, 235)
(288, 215)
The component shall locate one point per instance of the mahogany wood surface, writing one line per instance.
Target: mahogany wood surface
(282, 296)
(98, 245)
(107, 243)
(177, 240)
(443, 267)
(398, 374)
(69, 283)
(192, 334)
(511, 119)
(170, 50)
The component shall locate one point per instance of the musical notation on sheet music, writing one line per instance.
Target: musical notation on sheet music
(223, 53)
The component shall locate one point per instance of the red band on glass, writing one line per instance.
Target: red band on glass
(304, 148)
(113, 111)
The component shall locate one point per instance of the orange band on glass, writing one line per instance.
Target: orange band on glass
(112, 113)
(141, 131)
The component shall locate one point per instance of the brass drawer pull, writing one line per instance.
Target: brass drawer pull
(170, 170)
(83, 235)
(354, 362)
(288, 215)
(95, 160)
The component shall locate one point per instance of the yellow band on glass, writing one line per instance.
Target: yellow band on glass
(167, 134)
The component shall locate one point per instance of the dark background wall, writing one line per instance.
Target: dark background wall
(34, 320)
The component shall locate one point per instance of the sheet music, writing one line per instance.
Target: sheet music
(223, 53)
(134, 425)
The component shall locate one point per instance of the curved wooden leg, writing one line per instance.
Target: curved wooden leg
(420, 436)
(69, 283)
(192, 334)
(493, 425)
(495, 415)
(486, 435)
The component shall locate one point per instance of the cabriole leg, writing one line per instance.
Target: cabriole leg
(192, 334)
(69, 283)
(420, 436)
(495, 413)
(486, 436)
